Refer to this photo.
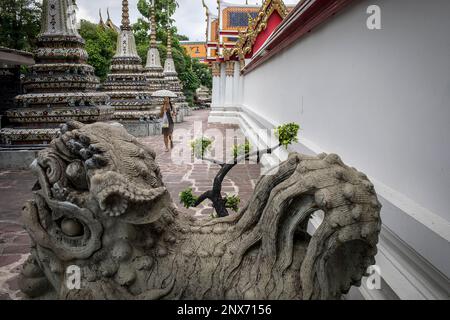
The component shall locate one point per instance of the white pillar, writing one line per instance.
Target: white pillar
(229, 83)
(216, 85)
(222, 85)
(236, 84)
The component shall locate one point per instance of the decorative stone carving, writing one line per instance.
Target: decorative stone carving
(100, 204)
(61, 86)
(229, 68)
(215, 67)
(203, 96)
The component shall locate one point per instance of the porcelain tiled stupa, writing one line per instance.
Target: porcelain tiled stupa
(153, 68)
(171, 75)
(127, 83)
(61, 85)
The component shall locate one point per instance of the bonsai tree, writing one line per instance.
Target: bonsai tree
(286, 134)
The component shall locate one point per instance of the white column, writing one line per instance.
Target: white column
(236, 84)
(216, 86)
(222, 85)
(229, 83)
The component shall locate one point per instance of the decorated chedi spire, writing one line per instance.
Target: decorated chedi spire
(61, 85)
(126, 44)
(152, 18)
(153, 67)
(125, 16)
(127, 84)
(169, 65)
(171, 75)
(58, 18)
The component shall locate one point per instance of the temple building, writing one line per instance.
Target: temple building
(109, 24)
(60, 87)
(127, 83)
(368, 80)
(227, 65)
(154, 70)
(223, 28)
(173, 82)
(195, 49)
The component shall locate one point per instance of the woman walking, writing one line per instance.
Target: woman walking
(167, 114)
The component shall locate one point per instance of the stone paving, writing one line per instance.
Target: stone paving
(15, 189)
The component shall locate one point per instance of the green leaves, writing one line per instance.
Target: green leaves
(241, 149)
(19, 23)
(187, 198)
(200, 146)
(232, 202)
(287, 134)
(203, 73)
(100, 46)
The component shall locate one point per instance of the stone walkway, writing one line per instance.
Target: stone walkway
(15, 189)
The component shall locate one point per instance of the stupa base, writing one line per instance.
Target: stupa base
(27, 137)
(141, 129)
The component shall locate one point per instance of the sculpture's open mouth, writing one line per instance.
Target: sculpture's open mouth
(69, 231)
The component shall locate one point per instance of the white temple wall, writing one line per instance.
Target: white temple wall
(380, 99)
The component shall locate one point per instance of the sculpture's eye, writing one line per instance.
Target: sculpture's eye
(72, 227)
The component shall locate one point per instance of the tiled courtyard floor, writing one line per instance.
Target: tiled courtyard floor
(15, 189)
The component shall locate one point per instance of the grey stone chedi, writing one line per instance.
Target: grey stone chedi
(61, 86)
(127, 84)
(153, 68)
(100, 204)
(171, 75)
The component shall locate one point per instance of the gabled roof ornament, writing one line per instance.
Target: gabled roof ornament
(247, 39)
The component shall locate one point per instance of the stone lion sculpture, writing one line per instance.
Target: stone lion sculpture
(100, 204)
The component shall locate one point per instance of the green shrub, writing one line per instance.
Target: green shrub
(200, 146)
(287, 134)
(241, 149)
(187, 198)
(232, 202)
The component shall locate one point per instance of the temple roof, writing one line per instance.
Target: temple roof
(109, 23)
(269, 16)
(234, 20)
(15, 57)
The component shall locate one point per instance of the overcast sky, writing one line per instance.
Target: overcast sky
(189, 17)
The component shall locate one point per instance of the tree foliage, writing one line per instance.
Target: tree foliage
(100, 45)
(19, 23)
(191, 72)
(187, 198)
(201, 146)
(287, 134)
